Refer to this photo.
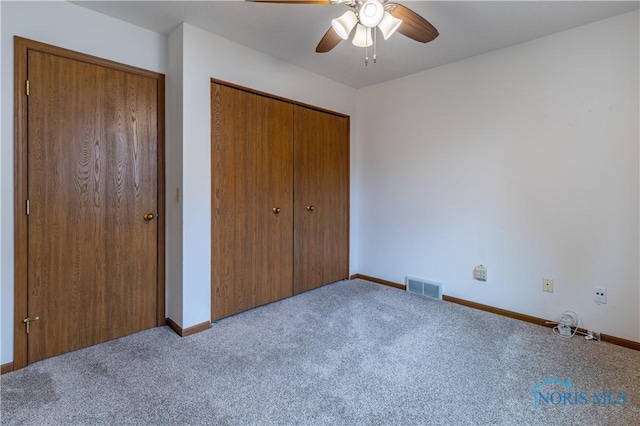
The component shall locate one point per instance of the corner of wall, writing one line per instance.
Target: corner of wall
(173, 173)
(193, 118)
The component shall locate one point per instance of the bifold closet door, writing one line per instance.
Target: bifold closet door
(252, 200)
(321, 198)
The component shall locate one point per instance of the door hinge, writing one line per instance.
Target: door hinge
(27, 87)
(27, 207)
(28, 321)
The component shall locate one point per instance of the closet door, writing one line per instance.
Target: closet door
(321, 198)
(252, 200)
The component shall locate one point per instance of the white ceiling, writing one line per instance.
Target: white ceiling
(291, 32)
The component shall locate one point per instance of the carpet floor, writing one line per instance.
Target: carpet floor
(349, 353)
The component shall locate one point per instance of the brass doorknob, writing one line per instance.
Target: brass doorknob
(149, 216)
(310, 208)
(276, 210)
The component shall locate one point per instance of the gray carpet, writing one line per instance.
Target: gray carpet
(345, 354)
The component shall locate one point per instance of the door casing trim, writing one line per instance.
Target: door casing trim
(21, 48)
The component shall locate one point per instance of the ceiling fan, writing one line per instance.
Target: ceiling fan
(365, 16)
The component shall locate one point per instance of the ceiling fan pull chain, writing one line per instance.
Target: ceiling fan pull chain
(366, 56)
(366, 48)
(375, 40)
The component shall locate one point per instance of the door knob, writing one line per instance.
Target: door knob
(276, 210)
(310, 208)
(149, 216)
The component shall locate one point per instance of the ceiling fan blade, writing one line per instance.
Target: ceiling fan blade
(293, 1)
(413, 25)
(329, 41)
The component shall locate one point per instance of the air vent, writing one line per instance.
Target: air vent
(424, 287)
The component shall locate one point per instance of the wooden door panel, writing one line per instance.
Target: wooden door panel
(92, 171)
(251, 174)
(335, 196)
(274, 234)
(230, 279)
(307, 192)
(321, 236)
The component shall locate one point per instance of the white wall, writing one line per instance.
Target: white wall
(525, 160)
(206, 55)
(173, 176)
(4, 304)
(66, 25)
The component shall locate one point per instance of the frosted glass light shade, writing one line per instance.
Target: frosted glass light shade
(362, 37)
(371, 13)
(344, 24)
(389, 25)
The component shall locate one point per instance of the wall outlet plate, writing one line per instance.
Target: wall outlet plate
(547, 285)
(600, 295)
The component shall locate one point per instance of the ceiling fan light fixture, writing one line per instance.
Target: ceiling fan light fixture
(389, 25)
(371, 13)
(344, 24)
(362, 37)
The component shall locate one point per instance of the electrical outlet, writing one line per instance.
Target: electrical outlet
(592, 335)
(547, 285)
(480, 273)
(600, 295)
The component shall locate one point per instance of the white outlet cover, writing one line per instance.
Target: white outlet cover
(600, 295)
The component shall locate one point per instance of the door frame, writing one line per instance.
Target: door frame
(21, 48)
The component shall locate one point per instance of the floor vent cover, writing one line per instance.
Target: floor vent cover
(424, 287)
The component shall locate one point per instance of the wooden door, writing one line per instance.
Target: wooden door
(92, 176)
(321, 194)
(334, 179)
(252, 172)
